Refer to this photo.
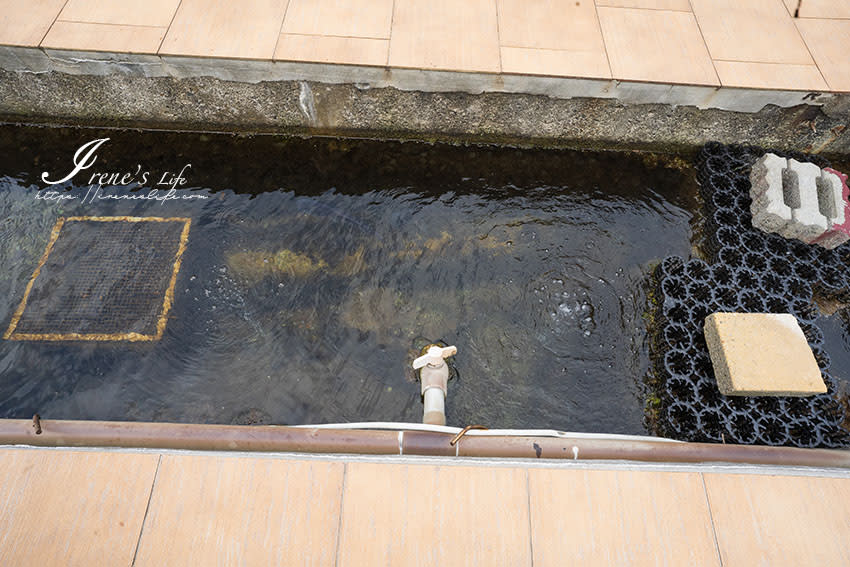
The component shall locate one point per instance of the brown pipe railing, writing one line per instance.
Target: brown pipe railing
(56, 433)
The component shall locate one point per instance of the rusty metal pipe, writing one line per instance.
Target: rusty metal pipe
(361, 441)
(649, 451)
(58, 433)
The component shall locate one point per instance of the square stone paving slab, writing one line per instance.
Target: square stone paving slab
(761, 354)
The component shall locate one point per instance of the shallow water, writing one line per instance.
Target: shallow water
(316, 269)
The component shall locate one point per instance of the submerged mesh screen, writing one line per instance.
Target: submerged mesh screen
(103, 278)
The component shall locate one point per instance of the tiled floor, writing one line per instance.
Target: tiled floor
(64, 507)
(656, 45)
(551, 38)
(735, 43)
(445, 34)
(248, 29)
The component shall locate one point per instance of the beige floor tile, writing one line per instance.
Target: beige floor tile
(430, 515)
(72, 508)
(680, 5)
(221, 28)
(154, 13)
(820, 8)
(555, 62)
(209, 510)
(750, 30)
(445, 34)
(620, 518)
(829, 43)
(364, 18)
(771, 520)
(551, 37)
(330, 49)
(24, 22)
(549, 24)
(770, 76)
(655, 45)
(104, 37)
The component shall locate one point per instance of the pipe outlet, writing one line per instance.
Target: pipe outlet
(434, 378)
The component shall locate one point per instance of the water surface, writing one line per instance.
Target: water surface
(317, 268)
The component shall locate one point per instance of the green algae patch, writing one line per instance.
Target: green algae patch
(254, 266)
(352, 264)
(453, 244)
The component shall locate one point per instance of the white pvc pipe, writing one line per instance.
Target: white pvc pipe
(435, 407)
(396, 426)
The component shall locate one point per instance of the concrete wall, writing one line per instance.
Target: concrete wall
(179, 93)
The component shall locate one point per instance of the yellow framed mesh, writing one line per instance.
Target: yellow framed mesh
(103, 279)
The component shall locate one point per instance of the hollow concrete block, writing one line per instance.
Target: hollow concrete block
(761, 354)
(799, 200)
(839, 230)
(800, 187)
(766, 173)
(770, 213)
(773, 216)
(831, 198)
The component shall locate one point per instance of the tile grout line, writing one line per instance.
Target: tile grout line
(530, 523)
(53, 23)
(765, 62)
(647, 9)
(110, 24)
(168, 29)
(339, 522)
(552, 48)
(809, 51)
(711, 519)
(147, 509)
(821, 17)
(390, 37)
(705, 44)
(787, 9)
(280, 30)
(604, 45)
(803, 39)
(830, 18)
(498, 35)
(335, 35)
(786, 65)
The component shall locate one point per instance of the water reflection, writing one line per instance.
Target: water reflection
(310, 282)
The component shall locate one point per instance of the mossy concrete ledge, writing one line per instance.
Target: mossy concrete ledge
(186, 93)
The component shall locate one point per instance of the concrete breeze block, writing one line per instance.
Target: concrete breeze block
(765, 173)
(800, 186)
(770, 213)
(799, 200)
(761, 354)
(830, 198)
(839, 231)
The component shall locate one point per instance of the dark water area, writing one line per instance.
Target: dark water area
(316, 269)
(836, 333)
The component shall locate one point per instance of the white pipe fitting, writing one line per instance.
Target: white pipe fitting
(435, 407)
(434, 377)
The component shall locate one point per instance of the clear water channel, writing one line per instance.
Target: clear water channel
(316, 269)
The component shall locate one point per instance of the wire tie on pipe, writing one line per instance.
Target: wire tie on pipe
(463, 431)
(36, 424)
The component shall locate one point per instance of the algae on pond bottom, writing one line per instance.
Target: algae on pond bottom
(254, 266)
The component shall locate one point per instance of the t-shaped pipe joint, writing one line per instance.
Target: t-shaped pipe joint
(434, 377)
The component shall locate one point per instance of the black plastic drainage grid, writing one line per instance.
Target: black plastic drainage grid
(749, 271)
